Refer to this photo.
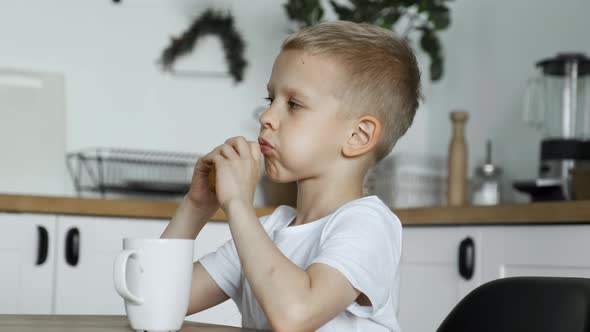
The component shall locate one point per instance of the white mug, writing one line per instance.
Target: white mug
(154, 278)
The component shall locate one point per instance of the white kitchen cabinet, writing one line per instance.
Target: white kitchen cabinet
(84, 284)
(431, 284)
(541, 250)
(26, 263)
(85, 251)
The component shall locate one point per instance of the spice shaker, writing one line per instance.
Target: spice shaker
(486, 181)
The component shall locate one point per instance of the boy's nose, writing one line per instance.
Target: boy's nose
(267, 119)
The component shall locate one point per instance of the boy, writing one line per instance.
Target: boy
(340, 95)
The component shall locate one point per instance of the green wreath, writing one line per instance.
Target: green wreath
(210, 22)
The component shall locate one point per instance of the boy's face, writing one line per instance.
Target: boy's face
(304, 121)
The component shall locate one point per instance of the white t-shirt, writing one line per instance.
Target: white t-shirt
(362, 239)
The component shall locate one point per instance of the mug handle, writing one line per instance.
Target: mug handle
(119, 272)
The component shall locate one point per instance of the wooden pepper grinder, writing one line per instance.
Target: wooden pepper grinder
(457, 163)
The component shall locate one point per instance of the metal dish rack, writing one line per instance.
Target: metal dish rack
(114, 170)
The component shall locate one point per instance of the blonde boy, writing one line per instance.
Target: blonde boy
(340, 96)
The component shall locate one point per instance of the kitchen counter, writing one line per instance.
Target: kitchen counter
(157, 209)
(533, 213)
(87, 323)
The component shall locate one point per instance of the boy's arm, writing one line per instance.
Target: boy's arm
(205, 293)
(199, 204)
(292, 298)
(187, 223)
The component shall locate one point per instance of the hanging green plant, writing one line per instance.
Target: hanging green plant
(210, 22)
(424, 16)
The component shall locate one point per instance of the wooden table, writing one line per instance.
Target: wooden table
(82, 323)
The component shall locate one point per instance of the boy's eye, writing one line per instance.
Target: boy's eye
(290, 103)
(293, 104)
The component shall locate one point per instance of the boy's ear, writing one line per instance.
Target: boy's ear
(364, 136)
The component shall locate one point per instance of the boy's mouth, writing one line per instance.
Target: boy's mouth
(265, 146)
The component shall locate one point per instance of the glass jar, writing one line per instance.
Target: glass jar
(486, 182)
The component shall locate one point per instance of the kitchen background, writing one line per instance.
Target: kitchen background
(76, 75)
(115, 95)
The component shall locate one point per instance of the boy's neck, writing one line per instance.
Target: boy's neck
(316, 199)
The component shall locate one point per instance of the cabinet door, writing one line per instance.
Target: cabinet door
(26, 263)
(431, 284)
(86, 250)
(549, 250)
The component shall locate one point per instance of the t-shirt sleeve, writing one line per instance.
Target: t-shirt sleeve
(223, 265)
(364, 244)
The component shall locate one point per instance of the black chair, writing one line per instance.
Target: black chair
(522, 304)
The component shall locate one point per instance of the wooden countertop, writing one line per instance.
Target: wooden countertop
(157, 209)
(533, 213)
(88, 323)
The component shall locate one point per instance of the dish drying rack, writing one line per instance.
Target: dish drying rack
(116, 170)
(408, 180)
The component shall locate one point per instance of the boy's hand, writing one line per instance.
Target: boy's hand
(200, 194)
(237, 167)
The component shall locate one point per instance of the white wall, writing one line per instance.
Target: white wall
(117, 97)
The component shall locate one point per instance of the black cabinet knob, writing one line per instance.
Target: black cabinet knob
(72, 246)
(42, 245)
(466, 258)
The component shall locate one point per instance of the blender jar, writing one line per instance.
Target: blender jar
(558, 100)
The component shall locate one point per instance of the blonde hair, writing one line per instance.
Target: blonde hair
(383, 71)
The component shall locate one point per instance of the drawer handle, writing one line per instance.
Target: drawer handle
(42, 245)
(73, 246)
(466, 258)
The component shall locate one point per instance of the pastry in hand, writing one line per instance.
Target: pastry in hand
(212, 180)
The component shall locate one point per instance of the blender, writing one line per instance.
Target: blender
(558, 103)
